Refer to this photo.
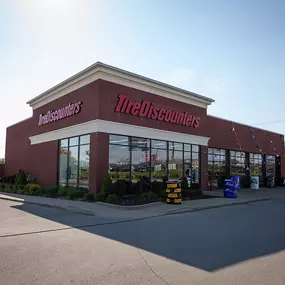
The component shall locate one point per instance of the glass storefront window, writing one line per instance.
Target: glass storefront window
(74, 162)
(270, 166)
(158, 144)
(140, 158)
(238, 163)
(175, 164)
(119, 162)
(73, 141)
(84, 159)
(255, 168)
(216, 166)
(121, 140)
(158, 164)
(133, 158)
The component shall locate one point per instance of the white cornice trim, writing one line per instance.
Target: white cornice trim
(122, 77)
(117, 128)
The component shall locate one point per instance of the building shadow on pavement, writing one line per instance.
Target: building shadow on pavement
(208, 240)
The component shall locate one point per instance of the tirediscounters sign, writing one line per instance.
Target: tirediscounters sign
(145, 109)
(64, 112)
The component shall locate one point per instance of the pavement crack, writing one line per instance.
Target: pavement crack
(144, 259)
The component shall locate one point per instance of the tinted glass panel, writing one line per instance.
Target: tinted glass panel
(159, 144)
(119, 162)
(73, 141)
(84, 158)
(114, 139)
(73, 166)
(85, 139)
(158, 164)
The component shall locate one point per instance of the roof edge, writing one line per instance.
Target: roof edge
(89, 75)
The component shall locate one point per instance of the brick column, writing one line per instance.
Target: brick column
(204, 167)
(99, 160)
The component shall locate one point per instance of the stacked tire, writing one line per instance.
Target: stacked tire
(173, 192)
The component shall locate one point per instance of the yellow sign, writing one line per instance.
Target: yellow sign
(172, 195)
(171, 185)
(177, 200)
(178, 190)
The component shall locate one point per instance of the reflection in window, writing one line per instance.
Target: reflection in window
(216, 166)
(140, 158)
(119, 162)
(158, 164)
(256, 165)
(270, 166)
(238, 163)
(84, 165)
(175, 164)
(74, 160)
(63, 157)
(133, 158)
(72, 166)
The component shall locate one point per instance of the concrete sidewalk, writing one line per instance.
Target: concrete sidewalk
(104, 210)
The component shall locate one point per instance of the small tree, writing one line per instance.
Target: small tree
(106, 184)
(2, 160)
(21, 178)
(184, 183)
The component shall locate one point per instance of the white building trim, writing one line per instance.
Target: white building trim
(117, 128)
(122, 77)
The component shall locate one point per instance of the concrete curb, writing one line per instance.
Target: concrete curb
(149, 205)
(65, 208)
(172, 211)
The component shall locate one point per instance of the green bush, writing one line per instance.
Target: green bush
(63, 191)
(118, 188)
(20, 178)
(34, 189)
(150, 196)
(51, 192)
(101, 196)
(184, 183)
(106, 184)
(157, 187)
(113, 199)
(8, 179)
(74, 193)
(3, 186)
(89, 197)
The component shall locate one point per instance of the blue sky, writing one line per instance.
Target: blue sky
(231, 51)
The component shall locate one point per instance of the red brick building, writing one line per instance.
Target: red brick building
(105, 119)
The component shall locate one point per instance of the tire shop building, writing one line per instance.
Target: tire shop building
(107, 120)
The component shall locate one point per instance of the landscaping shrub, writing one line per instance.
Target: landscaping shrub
(118, 188)
(3, 186)
(150, 196)
(113, 199)
(142, 186)
(101, 196)
(157, 187)
(184, 183)
(34, 189)
(20, 178)
(63, 191)
(74, 193)
(26, 189)
(51, 192)
(90, 197)
(8, 179)
(106, 184)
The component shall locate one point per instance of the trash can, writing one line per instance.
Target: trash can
(229, 189)
(254, 182)
(236, 182)
(173, 192)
